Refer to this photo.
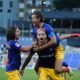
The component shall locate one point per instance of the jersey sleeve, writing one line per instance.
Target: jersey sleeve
(32, 52)
(16, 46)
(50, 31)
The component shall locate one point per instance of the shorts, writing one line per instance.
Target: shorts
(13, 75)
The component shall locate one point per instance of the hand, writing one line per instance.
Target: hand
(21, 72)
(36, 48)
(34, 44)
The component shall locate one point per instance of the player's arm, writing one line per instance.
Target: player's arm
(65, 36)
(69, 35)
(27, 61)
(17, 46)
(25, 48)
(25, 64)
(52, 37)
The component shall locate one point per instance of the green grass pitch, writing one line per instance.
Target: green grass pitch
(31, 75)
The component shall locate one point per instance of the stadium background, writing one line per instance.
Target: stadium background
(17, 13)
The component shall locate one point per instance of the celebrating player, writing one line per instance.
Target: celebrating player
(38, 23)
(14, 58)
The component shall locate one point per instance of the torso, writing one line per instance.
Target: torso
(14, 58)
(47, 58)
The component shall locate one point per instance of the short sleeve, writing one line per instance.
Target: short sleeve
(50, 31)
(16, 46)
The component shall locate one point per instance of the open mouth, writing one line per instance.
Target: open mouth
(41, 39)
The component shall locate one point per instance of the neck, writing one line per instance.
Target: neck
(40, 24)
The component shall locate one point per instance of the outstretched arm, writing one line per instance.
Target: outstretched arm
(69, 36)
(65, 36)
(17, 46)
(27, 59)
(26, 48)
(26, 62)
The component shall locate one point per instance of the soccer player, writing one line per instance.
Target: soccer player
(14, 48)
(45, 56)
(38, 22)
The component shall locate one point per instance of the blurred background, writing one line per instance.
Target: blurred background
(62, 15)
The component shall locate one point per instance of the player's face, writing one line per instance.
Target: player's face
(35, 20)
(17, 33)
(41, 35)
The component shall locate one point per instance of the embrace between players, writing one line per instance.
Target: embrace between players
(46, 44)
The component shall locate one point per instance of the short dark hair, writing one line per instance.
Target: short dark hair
(39, 15)
(11, 33)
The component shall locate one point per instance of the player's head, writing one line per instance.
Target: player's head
(37, 17)
(41, 35)
(13, 33)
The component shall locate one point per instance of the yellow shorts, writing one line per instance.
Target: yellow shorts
(13, 75)
(59, 52)
(46, 73)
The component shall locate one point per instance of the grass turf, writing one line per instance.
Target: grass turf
(30, 74)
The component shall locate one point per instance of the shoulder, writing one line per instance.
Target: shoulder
(47, 26)
(11, 42)
(34, 29)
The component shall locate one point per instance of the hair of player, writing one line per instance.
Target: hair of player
(42, 29)
(11, 33)
(38, 16)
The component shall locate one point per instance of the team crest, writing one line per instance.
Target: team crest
(17, 44)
